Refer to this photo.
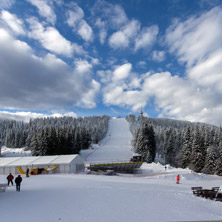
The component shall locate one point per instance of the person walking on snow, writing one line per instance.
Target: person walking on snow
(27, 172)
(178, 179)
(10, 178)
(18, 181)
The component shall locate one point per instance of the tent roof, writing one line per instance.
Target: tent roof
(23, 161)
(36, 160)
(6, 160)
(64, 159)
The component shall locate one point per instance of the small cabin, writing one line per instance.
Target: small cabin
(136, 158)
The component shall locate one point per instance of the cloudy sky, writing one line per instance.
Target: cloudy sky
(85, 57)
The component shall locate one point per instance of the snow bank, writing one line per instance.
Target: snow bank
(14, 152)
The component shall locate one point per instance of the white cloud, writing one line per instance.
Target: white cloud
(44, 10)
(131, 34)
(117, 16)
(119, 95)
(102, 30)
(83, 66)
(174, 97)
(122, 72)
(74, 16)
(146, 38)
(122, 38)
(197, 42)
(88, 99)
(26, 116)
(118, 40)
(13, 22)
(50, 38)
(31, 82)
(85, 31)
(158, 56)
(105, 76)
(112, 15)
(208, 73)
(79, 25)
(122, 89)
(195, 38)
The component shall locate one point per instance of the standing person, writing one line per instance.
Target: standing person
(178, 179)
(27, 172)
(18, 181)
(10, 178)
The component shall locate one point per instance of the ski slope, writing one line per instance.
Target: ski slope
(152, 195)
(98, 198)
(115, 147)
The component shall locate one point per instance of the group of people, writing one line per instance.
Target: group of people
(18, 181)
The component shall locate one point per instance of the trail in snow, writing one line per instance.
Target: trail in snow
(116, 146)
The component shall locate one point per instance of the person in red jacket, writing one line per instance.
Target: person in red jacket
(10, 178)
(178, 179)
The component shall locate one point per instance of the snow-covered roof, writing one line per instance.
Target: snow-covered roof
(36, 160)
(44, 160)
(64, 159)
(22, 161)
(5, 161)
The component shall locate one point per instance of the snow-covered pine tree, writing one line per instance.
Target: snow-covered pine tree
(211, 160)
(146, 145)
(218, 169)
(169, 149)
(198, 152)
(186, 148)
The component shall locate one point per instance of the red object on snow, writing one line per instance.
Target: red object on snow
(178, 179)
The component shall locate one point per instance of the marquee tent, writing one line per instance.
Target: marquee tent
(55, 164)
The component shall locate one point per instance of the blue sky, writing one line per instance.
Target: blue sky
(83, 58)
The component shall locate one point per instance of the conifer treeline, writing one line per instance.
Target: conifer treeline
(184, 144)
(51, 136)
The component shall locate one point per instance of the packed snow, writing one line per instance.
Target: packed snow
(150, 195)
(116, 146)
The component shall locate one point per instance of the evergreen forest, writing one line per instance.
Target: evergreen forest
(197, 146)
(54, 136)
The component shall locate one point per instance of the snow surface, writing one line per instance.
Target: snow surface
(5, 151)
(151, 195)
(116, 146)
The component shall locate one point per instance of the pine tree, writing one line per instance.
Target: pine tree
(170, 152)
(198, 152)
(146, 145)
(186, 149)
(211, 160)
(218, 169)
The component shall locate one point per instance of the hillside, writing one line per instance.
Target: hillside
(116, 146)
(152, 195)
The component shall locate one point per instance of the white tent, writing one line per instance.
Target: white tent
(55, 164)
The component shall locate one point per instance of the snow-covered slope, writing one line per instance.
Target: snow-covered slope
(115, 146)
(151, 196)
(124, 198)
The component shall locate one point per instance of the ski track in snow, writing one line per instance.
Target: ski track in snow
(115, 147)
